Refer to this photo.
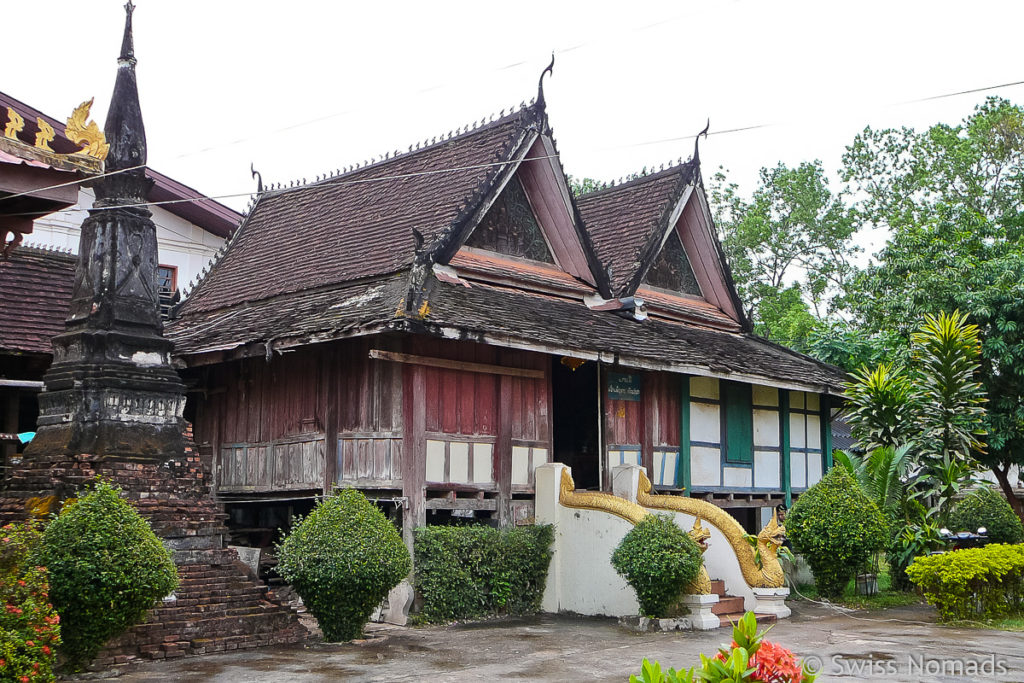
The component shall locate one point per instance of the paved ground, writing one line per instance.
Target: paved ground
(896, 645)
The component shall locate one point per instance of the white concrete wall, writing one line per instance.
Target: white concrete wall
(581, 578)
(180, 243)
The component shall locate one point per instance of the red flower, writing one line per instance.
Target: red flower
(23, 679)
(30, 643)
(46, 650)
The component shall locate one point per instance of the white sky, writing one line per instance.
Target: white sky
(303, 87)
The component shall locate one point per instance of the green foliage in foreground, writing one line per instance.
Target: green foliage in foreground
(749, 657)
(107, 568)
(29, 625)
(472, 571)
(985, 583)
(343, 559)
(837, 528)
(659, 560)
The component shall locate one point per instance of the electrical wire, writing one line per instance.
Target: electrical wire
(727, 131)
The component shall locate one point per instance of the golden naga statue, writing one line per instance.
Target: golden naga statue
(592, 500)
(702, 584)
(760, 564)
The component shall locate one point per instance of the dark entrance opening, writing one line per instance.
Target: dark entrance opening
(575, 421)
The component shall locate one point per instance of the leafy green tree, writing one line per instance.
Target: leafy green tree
(952, 198)
(936, 407)
(792, 237)
(850, 346)
(880, 407)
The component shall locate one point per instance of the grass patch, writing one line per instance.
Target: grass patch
(885, 598)
(1008, 624)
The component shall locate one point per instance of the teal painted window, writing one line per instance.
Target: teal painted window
(738, 421)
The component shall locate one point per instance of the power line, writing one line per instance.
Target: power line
(727, 131)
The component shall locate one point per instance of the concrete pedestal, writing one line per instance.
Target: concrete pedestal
(772, 601)
(701, 618)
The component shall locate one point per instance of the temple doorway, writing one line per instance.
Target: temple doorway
(576, 420)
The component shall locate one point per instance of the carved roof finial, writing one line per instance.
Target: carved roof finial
(127, 45)
(696, 142)
(124, 130)
(540, 82)
(259, 178)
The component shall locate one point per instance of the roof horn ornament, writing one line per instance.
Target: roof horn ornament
(258, 176)
(540, 81)
(696, 141)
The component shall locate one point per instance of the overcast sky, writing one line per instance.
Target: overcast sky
(303, 87)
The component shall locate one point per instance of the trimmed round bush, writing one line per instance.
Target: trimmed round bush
(342, 560)
(989, 509)
(107, 568)
(659, 560)
(837, 528)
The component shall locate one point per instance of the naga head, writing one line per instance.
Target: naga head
(700, 535)
(773, 534)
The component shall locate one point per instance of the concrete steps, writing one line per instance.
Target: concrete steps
(729, 608)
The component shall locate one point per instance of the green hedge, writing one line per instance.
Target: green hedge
(989, 509)
(837, 528)
(659, 560)
(107, 568)
(472, 571)
(983, 582)
(343, 559)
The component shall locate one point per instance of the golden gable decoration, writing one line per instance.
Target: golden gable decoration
(79, 131)
(83, 132)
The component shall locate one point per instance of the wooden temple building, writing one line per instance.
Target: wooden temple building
(432, 326)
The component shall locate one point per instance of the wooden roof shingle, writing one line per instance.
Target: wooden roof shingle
(36, 295)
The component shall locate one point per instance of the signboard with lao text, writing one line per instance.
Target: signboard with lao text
(623, 387)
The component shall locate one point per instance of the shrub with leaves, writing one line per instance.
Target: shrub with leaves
(471, 571)
(837, 528)
(343, 559)
(29, 625)
(659, 560)
(107, 568)
(983, 582)
(749, 657)
(989, 509)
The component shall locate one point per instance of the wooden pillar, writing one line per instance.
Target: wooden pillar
(414, 451)
(329, 376)
(826, 430)
(650, 385)
(784, 446)
(503, 450)
(683, 463)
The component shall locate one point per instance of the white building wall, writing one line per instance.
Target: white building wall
(181, 244)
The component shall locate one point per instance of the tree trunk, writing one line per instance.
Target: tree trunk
(1011, 497)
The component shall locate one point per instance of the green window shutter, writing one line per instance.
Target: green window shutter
(738, 413)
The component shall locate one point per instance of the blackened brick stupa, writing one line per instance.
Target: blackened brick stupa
(112, 407)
